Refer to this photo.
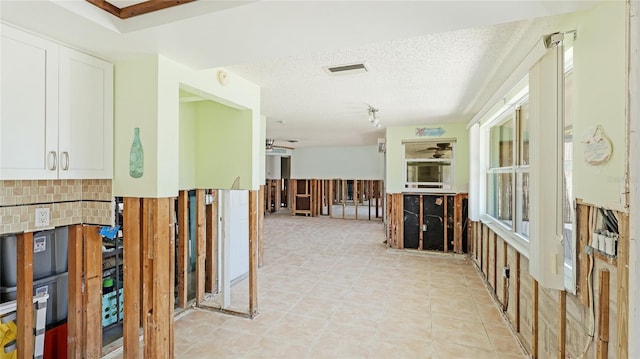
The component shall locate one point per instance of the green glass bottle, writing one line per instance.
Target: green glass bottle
(136, 156)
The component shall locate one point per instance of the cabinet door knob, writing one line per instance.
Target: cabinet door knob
(53, 160)
(65, 157)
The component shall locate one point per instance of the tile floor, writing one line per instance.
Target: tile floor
(330, 289)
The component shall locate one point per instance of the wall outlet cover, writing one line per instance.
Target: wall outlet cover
(42, 217)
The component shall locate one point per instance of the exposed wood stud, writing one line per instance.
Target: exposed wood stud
(93, 291)
(293, 191)
(75, 337)
(161, 313)
(505, 263)
(399, 203)
(182, 254)
(253, 253)
(622, 350)
(171, 274)
(389, 223)
(369, 196)
(583, 240)
(487, 249)
(269, 195)
(344, 197)
(376, 191)
(278, 200)
(131, 231)
(562, 332)
(24, 309)
(421, 218)
(147, 274)
(381, 192)
(457, 223)
(330, 205)
(211, 235)
(356, 196)
(445, 224)
(517, 290)
(200, 246)
(602, 348)
(495, 262)
(261, 226)
(534, 322)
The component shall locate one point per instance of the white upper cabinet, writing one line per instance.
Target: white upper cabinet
(56, 111)
(86, 116)
(29, 115)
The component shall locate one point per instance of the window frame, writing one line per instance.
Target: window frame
(508, 113)
(444, 187)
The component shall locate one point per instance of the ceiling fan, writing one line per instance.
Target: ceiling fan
(270, 142)
(439, 150)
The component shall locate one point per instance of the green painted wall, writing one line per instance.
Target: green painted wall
(600, 90)
(223, 149)
(187, 156)
(394, 176)
(147, 96)
(136, 105)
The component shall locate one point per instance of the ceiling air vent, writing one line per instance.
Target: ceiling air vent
(347, 69)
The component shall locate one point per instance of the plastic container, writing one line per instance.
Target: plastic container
(112, 307)
(49, 255)
(58, 289)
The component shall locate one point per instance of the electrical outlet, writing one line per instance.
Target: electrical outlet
(507, 272)
(42, 217)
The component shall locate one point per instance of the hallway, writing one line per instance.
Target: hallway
(330, 289)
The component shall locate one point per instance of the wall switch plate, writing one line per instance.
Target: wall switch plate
(42, 217)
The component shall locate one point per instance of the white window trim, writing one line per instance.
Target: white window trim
(446, 187)
(510, 235)
(515, 240)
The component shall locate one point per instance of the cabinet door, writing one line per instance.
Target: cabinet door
(86, 116)
(29, 114)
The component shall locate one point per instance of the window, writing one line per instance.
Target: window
(508, 172)
(568, 213)
(429, 164)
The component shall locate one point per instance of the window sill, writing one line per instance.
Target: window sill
(518, 242)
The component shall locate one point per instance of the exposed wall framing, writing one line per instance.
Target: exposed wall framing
(132, 261)
(201, 251)
(553, 323)
(408, 215)
(273, 195)
(24, 309)
(182, 251)
(313, 197)
(211, 244)
(75, 312)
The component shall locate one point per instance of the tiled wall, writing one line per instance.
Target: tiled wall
(69, 201)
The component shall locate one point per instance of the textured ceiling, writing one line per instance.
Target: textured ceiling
(431, 61)
(438, 78)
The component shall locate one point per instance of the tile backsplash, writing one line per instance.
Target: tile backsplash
(69, 201)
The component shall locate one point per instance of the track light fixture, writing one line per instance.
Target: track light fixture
(373, 116)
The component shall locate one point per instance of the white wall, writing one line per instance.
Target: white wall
(600, 91)
(274, 167)
(361, 162)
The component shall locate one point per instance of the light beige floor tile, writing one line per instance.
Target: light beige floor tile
(331, 289)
